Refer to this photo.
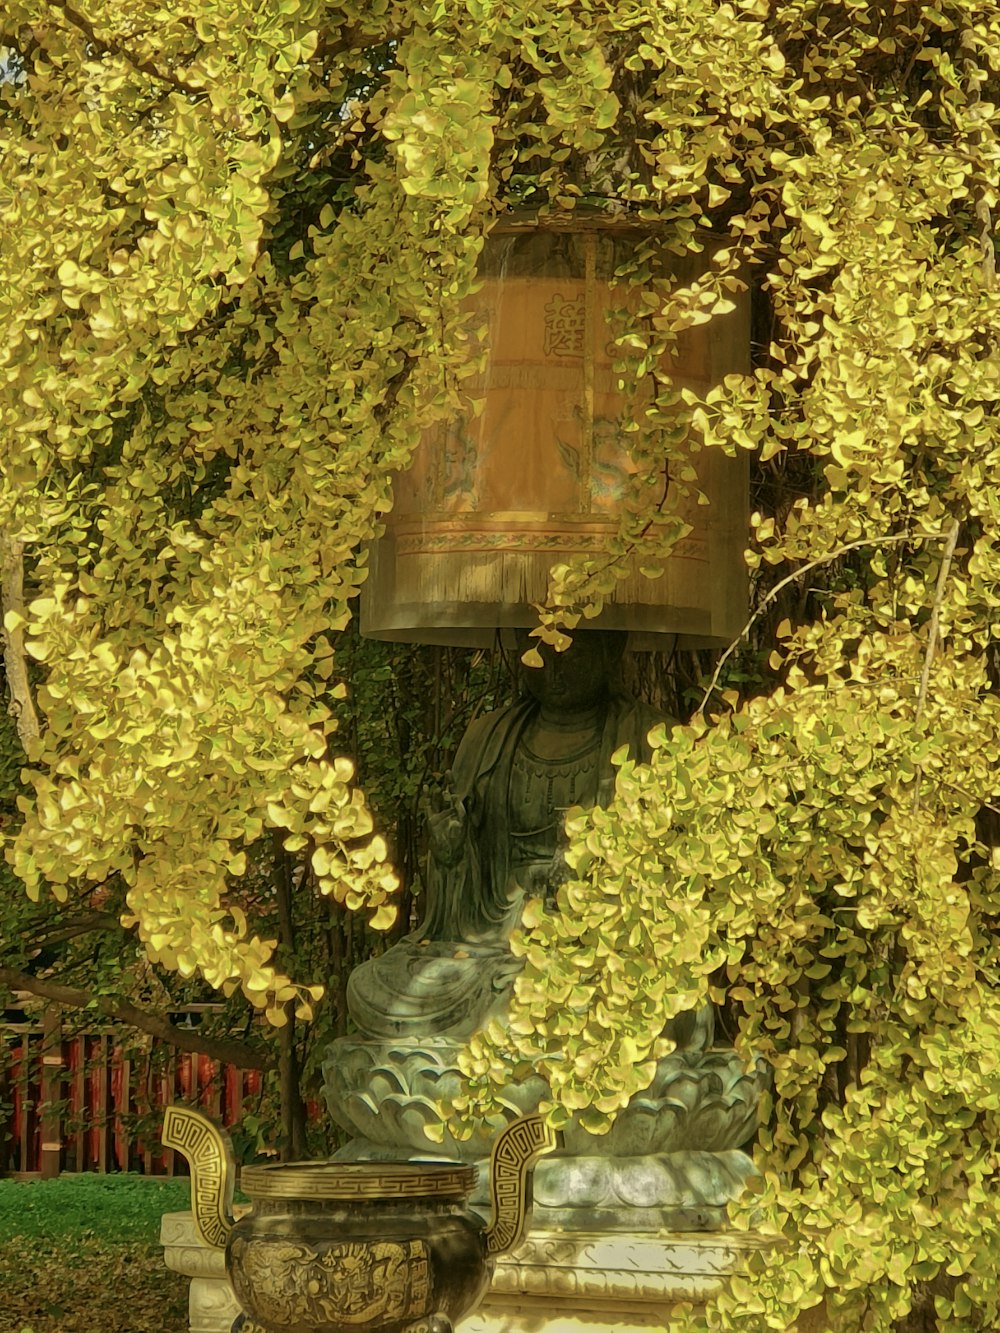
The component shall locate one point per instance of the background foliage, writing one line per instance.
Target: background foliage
(235, 243)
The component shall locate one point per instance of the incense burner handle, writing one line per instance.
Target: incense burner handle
(209, 1152)
(515, 1151)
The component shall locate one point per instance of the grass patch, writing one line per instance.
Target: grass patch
(80, 1254)
(114, 1207)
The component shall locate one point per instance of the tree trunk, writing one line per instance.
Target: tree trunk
(293, 1109)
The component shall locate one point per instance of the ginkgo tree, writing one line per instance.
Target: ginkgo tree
(235, 241)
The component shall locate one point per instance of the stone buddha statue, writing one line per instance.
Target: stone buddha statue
(497, 842)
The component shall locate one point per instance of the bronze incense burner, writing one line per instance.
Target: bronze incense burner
(346, 1247)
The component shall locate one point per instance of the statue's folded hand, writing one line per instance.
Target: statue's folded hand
(543, 879)
(447, 829)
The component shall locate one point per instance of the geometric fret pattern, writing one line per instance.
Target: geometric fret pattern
(358, 1180)
(515, 1152)
(210, 1156)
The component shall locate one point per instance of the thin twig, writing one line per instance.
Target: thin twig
(970, 796)
(932, 641)
(797, 574)
(932, 630)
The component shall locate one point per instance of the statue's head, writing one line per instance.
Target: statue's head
(583, 675)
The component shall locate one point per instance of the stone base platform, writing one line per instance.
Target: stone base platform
(610, 1283)
(555, 1282)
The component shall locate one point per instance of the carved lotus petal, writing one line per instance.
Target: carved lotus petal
(386, 1093)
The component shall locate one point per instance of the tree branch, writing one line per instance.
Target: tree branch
(101, 44)
(984, 213)
(21, 706)
(82, 925)
(797, 574)
(185, 1039)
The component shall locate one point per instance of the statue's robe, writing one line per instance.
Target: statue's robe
(456, 970)
(480, 904)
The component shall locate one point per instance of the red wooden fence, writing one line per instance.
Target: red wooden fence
(76, 1100)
